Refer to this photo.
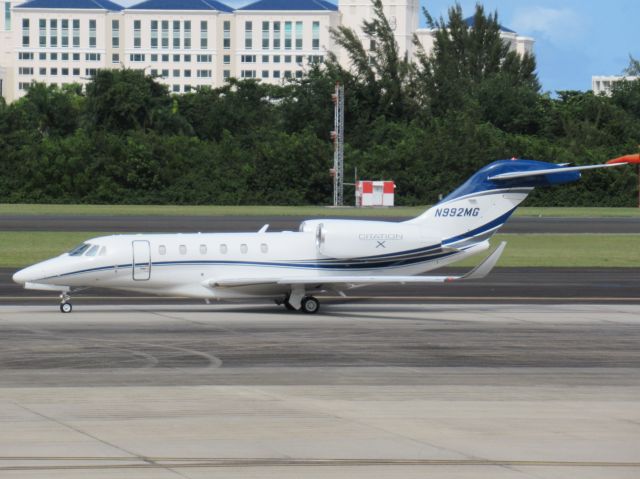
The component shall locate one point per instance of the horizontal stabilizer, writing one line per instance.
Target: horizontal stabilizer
(527, 174)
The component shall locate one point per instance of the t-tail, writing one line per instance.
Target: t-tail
(478, 208)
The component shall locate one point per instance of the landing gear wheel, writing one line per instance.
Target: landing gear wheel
(66, 307)
(310, 305)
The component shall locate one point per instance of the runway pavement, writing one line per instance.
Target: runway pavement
(395, 389)
(172, 224)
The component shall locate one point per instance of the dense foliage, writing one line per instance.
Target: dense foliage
(427, 125)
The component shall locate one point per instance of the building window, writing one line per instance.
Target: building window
(76, 57)
(115, 33)
(265, 58)
(248, 35)
(25, 56)
(7, 16)
(65, 72)
(204, 35)
(165, 34)
(42, 56)
(276, 35)
(54, 56)
(176, 34)
(226, 59)
(25, 71)
(187, 58)
(165, 74)
(287, 35)
(299, 59)
(137, 38)
(115, 58)
(137, 57)
(287, 58)
(187, 35)
(248, 58)
(90, 72)
(187, 73)
(187, 88)
(265, 35)
(53, 33)
(265, 73)
(24, 86)
(299, 34)
(248, 74)
(92, 33)
(276, 59)
(76, 33)
(299, 74)
(91, 57)
(287, 74)
(226, 74)
(183, 249)
(175, 88)
(165, 57)
(76, 72)
(43, 32)
(226, 35)
(203, 249)
(315, 42)
(154, 33)
(176, 58)
(162, 250)
(64, 42)
(204, 58)
(25, 32)
(54, 72)
(154, 72)
(42, 71)
(65, 57)
(204, 73)
(176, 73)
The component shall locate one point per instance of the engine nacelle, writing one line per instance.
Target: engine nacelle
(348, 239)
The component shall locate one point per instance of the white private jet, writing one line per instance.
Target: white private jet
(324, 255)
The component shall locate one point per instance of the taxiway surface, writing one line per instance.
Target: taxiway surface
(396, 389)
(174, 224)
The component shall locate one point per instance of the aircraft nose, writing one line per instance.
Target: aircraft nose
(25, 275)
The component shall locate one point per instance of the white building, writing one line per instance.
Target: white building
(186, 43)
(603, 85)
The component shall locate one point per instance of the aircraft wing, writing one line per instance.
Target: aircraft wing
(479, 272)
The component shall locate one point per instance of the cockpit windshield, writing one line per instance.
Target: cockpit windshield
(78, 250)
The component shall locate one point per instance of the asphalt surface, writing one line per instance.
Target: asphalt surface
(222, 344)
(173, 224)
(504, 285)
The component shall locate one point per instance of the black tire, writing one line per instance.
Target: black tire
(310, 305)
(66, 307)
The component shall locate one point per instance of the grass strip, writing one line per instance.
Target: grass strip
(306, 211)
(18, 249)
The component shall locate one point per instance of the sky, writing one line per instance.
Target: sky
(574, 39)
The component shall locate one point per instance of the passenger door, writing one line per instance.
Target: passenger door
(141, 260)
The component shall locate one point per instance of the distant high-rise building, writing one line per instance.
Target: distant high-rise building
(187, 43)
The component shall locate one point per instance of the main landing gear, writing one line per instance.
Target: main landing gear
(308, 304)
(65, 303)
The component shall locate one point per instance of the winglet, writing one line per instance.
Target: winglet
(263, 229)
(484, 268)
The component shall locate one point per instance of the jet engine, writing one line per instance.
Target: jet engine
(348, 239)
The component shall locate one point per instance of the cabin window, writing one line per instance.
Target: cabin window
(78, 250)
(244, 248)
(162, 249)
(92, 251)
(103, 251)
(183, 249)
(203, 249)
(223, 248)
(264, 247)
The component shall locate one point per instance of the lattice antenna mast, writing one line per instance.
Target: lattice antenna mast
(338, 146)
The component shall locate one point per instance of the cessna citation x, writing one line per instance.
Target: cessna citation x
(323, 255)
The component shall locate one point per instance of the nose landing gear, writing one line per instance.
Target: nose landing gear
(65, 303)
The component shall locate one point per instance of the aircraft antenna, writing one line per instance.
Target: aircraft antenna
(338, 145)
